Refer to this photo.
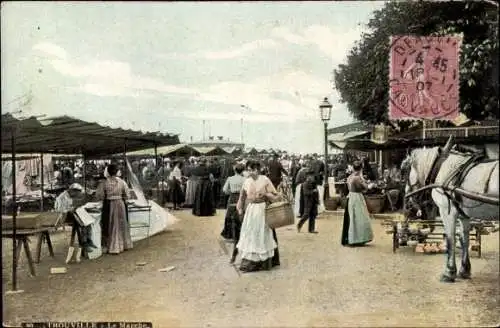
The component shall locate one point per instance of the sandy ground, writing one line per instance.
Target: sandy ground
(319, 283)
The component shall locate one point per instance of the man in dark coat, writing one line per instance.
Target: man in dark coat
(310, 195)
(275, 171)
(299, 180)
(318, 167)
(294, 169)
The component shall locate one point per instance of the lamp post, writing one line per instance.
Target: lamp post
(325, 110)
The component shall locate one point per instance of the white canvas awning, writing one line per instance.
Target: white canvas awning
(340, 139)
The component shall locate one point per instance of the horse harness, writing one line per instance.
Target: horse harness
(456, 177)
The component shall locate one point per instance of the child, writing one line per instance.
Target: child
(311, 202)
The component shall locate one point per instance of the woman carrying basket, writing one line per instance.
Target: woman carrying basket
(258, 244)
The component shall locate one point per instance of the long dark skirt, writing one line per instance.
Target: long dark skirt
(163, 192)
(345, 225)
(175, 194)
(222, 201)
(301, 203)
(204, 199)
(216, 190)
(232, 223)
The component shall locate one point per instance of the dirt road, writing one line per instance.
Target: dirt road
(319, 283)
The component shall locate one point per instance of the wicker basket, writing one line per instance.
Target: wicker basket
(375, 203)
(279, 214)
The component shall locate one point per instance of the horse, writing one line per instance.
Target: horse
(465, 186)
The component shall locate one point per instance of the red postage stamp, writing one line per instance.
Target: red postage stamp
(424, 78)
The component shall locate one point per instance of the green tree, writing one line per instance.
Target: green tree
(363, 80)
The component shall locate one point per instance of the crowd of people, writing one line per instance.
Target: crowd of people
(243, 186)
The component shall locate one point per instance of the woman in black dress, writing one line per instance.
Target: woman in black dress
(204, 204)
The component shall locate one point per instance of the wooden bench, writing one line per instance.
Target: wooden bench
(22, 240)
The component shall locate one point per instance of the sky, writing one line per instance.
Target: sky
(256, 70)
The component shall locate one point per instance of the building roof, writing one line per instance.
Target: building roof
(251, 151)
(68, 135)
(356, 126)
(211, 151)
(232, 150)
(179, 149)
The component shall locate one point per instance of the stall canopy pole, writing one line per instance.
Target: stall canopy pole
(41, 181)
(162, 180)
(381, 161)
(423, 130)
(84, 175)
(14, 214)
(125, 166)
(156, 156)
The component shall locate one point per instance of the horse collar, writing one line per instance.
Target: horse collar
(436, 166)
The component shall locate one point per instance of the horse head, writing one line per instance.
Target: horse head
(420, 162)
(410, 165)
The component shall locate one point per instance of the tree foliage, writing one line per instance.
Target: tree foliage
(363, 81)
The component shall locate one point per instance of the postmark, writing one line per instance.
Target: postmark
(424, 77)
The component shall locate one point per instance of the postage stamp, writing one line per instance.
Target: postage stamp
(424, 78)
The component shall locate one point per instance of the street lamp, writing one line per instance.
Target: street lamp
(325, 110)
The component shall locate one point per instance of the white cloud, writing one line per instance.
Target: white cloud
(286, 96)
(51, 49)
(107, 77)
(235, 52)
(302, 94)
(284, 33)
(333, 43)
(240, 51)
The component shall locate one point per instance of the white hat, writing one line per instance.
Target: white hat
(76, 186)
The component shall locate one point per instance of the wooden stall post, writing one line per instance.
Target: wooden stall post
(15, 247)
(155, 194)
(424, 123)
(162, 181)
(381, 161)
(41, 181)
(84, 175)
(156, 156)
(125, 166)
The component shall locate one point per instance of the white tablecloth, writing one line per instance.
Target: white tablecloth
(144, 223)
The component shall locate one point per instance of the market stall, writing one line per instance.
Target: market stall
(145, 221)
(146, 218)
(33, 173)
(34, 135)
